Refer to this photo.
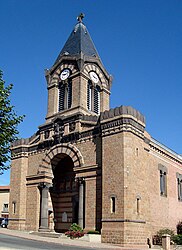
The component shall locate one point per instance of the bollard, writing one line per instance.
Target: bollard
(166, 241)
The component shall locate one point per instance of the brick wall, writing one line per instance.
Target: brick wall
(33, 208)
(165, 211)
(18, 193)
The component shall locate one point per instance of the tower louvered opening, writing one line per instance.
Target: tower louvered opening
(69, 94)
(61, 97)
(65, 96)
(93, 98)
(89, 96)
(97, 100)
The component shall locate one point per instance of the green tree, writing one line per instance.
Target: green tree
(8, 124)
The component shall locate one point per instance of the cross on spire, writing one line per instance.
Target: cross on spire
(80, 17)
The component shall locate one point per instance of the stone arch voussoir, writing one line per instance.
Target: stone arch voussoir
(68, 149)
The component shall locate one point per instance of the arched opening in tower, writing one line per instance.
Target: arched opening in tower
(64, 193)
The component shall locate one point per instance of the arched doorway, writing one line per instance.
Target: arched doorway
(64, 192)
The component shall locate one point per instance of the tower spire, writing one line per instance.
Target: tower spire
(79, 42)
(78, 83)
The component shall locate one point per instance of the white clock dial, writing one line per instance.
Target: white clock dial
(94, 77)
(65, 74)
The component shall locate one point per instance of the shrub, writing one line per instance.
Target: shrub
(158, 237)
(75, 227)
(93, 232)
(177, 239)
(179, 227)
(74, 234)
(75, 231)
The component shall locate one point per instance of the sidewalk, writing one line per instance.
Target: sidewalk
(61, 241)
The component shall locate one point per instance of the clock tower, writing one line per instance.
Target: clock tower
(91, 165)
(77, 83)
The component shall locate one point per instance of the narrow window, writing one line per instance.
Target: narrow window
(89, 96)
(61, 97)
(65, 95)
(138, 201)
(113, 204)
(179, 186)
(69, 94)
(97, 99)
(138, 205)
(180, 189)
(163, 179)
(163, 187)
(93, 98)
(137, 151)
(14, 207)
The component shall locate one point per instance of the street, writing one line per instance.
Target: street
(13, 243)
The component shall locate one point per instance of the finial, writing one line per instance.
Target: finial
(80, 17)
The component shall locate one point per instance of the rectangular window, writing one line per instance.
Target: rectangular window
(89, 96)
(163, 189)
(138, 205)
(61, 97)
(96, 100)
(69, 94)
(179, 186)
(163, 180)
(113, 204)
(5, 207)
(14, 207)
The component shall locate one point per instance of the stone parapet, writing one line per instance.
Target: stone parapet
(122, 110)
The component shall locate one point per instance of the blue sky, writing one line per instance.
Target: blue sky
(139, 42)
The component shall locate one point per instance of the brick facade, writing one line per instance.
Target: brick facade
(4, 201)
(100, 170)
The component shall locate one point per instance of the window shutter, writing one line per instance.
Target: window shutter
(97, 99)
(164, 184)
(89, 96)
(180, 190)
(69, 94)
(161, 183)
(61, 97)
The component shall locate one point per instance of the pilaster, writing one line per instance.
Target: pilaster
(17, 203)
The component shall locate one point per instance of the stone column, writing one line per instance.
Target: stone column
(166, 241)
(44, 189)
(81, 203)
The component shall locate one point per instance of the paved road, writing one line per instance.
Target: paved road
(13, 243)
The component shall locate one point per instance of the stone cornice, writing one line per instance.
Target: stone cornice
(106, 127)
(123, 111)
(36, 179)
(123, 220)
(164, 151)
(86, 168)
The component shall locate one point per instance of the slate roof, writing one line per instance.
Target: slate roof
(79, 42)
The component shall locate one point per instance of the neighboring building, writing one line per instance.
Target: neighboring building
(4, 201)
(91, 164)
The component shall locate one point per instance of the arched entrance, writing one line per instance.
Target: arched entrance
(61, 163)
(64, 192)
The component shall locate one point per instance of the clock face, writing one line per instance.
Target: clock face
(65, 74)
(94, 77)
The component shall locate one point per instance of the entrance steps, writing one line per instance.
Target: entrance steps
(47, 234)
(86, 237)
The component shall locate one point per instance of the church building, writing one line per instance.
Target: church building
(90, 164)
